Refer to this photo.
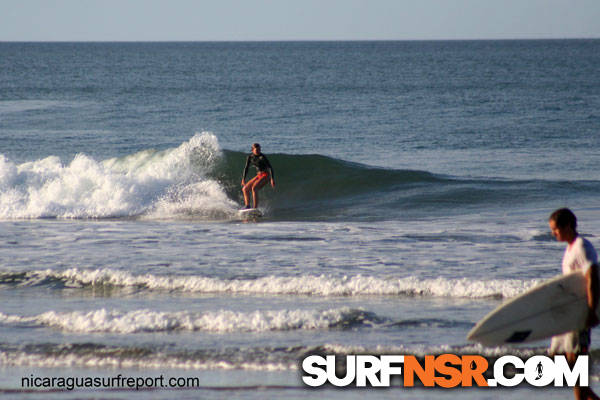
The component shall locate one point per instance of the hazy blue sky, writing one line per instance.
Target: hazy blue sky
(141, 20)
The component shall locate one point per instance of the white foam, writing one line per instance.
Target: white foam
(65, 358)
(310, 285)
(422, 350)
(23, 359)
(223, 321)
(163, 184)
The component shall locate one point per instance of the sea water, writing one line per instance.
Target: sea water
(413, 185)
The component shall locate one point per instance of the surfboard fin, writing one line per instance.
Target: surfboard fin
(518, 336)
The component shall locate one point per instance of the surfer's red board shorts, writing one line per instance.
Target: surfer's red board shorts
(262, 175)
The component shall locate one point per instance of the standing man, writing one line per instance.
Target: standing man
(579, 255)
(264, 171)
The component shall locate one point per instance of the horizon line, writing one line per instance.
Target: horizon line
(300, 40)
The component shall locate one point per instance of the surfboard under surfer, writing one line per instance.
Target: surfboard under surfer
(264, 172)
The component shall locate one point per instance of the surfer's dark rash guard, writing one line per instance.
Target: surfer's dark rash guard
(260, 162)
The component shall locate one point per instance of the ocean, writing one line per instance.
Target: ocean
(414, 181)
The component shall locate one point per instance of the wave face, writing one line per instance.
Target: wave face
(200, 180)
(317, 187)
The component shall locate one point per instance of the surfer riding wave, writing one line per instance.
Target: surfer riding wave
(264, 171)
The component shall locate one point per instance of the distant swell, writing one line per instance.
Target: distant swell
(310, 285)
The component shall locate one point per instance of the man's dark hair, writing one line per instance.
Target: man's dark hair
(563, 218)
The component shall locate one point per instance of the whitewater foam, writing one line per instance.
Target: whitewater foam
(257, 359)
(64, 359)
(162, 184)
(309, 285)
(222, 321)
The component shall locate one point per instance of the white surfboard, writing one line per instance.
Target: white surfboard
(556, 306)
(250, 213)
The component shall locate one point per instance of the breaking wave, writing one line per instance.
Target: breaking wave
(310, 285)
(222, 321)
(200, 180)
(154, 183)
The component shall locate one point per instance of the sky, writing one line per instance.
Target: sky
(262, 20)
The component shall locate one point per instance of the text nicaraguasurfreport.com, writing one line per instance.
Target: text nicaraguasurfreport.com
(111, 382)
